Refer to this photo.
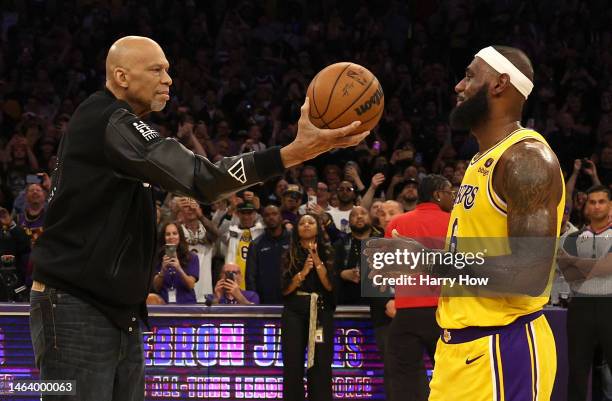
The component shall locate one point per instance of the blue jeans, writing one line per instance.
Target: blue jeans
(74, 341)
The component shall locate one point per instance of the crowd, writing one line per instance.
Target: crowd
(240, 71)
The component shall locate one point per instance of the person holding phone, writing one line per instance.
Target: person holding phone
(227, 289)
(177, 268)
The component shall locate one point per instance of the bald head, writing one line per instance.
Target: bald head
(137, 72)
(388, 210)
(128, 51)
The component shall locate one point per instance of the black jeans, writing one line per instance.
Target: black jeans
(294, 339)
(589, 324)
(412, 330)
(381, 334)
(73, 341)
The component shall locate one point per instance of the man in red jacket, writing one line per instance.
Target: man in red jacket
(414, 326)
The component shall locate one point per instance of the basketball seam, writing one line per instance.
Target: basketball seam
(355, 101)
(315, 102)
(332, 91)
(314, 81)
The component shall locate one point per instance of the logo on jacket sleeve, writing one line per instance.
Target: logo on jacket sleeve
(237, 171)
(145, 130)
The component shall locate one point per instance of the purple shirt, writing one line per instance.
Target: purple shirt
(184, 295)
(250, 296)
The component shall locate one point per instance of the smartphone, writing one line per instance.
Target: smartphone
(312, 199)
(33, 179)
(171, 250)
(230, 276)
(376, 146)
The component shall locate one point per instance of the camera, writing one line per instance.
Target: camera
(11, 288)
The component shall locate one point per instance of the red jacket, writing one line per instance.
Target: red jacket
(425, 223)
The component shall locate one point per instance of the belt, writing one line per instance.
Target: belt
(38, 286)
(457, 336)
(312, 324)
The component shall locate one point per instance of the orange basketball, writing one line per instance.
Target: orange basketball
(345, 92)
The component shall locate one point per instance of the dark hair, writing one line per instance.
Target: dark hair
(296, 255)
(599, 188)
(429, 184)
(182, 250)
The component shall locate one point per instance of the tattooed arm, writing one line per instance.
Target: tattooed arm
(528, 178)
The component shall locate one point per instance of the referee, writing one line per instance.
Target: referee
(589, 272)
(92, 264)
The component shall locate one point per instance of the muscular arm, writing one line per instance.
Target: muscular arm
(528, 178)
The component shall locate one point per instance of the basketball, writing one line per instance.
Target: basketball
(345, 92)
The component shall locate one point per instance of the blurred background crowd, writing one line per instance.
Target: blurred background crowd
(240, 72)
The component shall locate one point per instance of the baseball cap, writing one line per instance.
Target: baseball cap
(246, 206)
(292, 188)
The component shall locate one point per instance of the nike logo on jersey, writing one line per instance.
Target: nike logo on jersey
(468, 360)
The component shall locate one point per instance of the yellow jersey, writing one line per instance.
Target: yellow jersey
(479, 212)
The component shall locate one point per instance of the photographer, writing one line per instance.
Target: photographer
(14, 248)
(227, 289)
(177, 269)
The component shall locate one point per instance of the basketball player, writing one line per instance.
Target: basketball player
(499, 347)
(92, 264)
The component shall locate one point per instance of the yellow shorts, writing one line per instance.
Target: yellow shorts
(517, 362)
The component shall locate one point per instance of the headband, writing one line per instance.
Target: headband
(502, 65)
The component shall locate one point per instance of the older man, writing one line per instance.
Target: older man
(93, 262)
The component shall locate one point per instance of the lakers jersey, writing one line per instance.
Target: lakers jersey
(479, 212)
(241, 254)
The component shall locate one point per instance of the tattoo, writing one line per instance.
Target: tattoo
(531, 184)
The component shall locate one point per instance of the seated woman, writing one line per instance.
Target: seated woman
(177, 269)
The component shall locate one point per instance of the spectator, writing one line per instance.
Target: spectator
(21, 162)
(332, 176)
(375, 211)
(307, 277)
(276, 196)
(240, 236)
(408, 194)
(309, 178)
(32, 218)
(177, 267)
(290, 204)
(387, 211)
(264, 257)
(200, 234)
(346, 198)
(321, 202)
(15, 242)
(347, 252)
(227, 290)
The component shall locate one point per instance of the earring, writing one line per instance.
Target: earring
(438, 199)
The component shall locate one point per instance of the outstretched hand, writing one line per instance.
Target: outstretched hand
(311, 141)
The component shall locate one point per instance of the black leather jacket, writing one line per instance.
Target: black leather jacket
(99, 233)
